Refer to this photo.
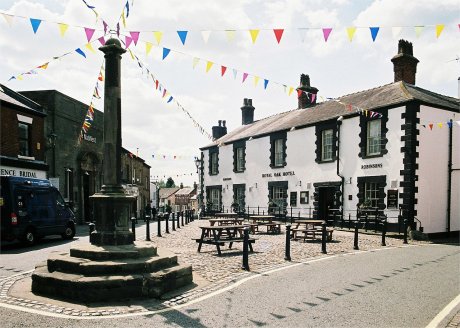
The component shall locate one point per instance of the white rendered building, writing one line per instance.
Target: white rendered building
(401, 155)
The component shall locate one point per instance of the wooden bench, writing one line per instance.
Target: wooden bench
(221, 242)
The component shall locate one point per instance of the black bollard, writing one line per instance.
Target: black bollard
(246, 249)
(92, 227)
(287, 254)
(133, 227)
(159, 217)
(323, 238)
(405, 231)
(356, 235)
(147, 228)
(178, 219)
(384, 231)
(167, 222)
(182, 218)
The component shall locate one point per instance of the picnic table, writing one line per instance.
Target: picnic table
(228, 221)
(226, 215)
(309, 229)
(218, 235)
(264, 220)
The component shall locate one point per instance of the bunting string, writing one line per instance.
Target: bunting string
(161, 156)
(163, 176)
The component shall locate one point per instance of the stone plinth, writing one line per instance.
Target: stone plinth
(97, 273)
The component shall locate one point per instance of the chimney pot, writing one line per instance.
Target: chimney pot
(223, 123)
(304, 100)
(220, 122)
(404, 63)
(247, 112)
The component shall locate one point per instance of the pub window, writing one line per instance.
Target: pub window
(239, 196)
(213, 163)
(279, 152)
(371, 194)
(326, 151)
(214, 197)
(239, 159)
(24, 139)
(373, 137)
(304, 195)
(293, 199)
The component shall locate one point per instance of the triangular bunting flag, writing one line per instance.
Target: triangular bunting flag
(118, 29)
(164, 93)
(326, 32)
(156, 84)
(101, 40)
(127, 10)
(431, 126)
(62, 28)
(20, 77)
(78, 50)
(196, 60)
(254, 34)
(158, 35)
(205, 35)
(245, 76)
(208, 65)
(439, 29)
(302, 34)
(230, 35)
(182, 36)
(374, 32)
(8, 19)
(223, 69)
(278, 34)
(440, 124)
(135, 37)
(313, 97)
(265, 83)
(90, 47)
(100, 77)
(44, 66)
(128, 41)
(105, 26)
(148, 47)
(396, 31)
(170, 99)
(299, 93)
(256, 80)
(449, 124)
(165, 52)
(89, 33)
(35, 24)
(234, 73)
(351, 32)
(290, 91)
(96, 94)
(418, 30)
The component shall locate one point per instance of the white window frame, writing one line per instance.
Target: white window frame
(371, 193)
(215, 197)
(326, 144)
(239, 197)
(279, 197)
(374, 137)
(26, 140)
(279, 152)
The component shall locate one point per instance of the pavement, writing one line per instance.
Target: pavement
(211, 272)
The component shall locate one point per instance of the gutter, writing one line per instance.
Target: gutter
(342, 179)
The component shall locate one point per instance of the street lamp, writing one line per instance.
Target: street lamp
(52, 144)
(199, 168)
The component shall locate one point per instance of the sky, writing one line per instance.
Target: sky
(152, 126)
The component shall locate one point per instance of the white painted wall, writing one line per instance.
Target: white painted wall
(433, 171)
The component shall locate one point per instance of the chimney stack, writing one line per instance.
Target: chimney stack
(404, 63)
(305, 98)
(247, 112)
(220, 130)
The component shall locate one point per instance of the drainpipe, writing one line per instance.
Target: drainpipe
(449, 181)
(342, 179)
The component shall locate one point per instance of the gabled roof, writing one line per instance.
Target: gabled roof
(185, 191)
(386, 96)
(9, 96)
(166, 192)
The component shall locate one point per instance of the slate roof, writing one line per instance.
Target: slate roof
(9, 96)
(166, 192)
(184, 191)
(386, 96)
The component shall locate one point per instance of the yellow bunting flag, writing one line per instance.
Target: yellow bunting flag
(418, 30)
(196, 60)
(230, 35)
(440, 124)
(148, 47)
(256, 80)
(19, 77)
(439, 29)
(290, 91)
(44, 66)
(158, 35)
(209, 65)
(254, 35)
(63, 28)
(351, 32)
(90, 47)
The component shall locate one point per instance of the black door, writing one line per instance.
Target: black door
(326, 201)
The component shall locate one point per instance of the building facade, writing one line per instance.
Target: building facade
(22, 141)
(370, 149)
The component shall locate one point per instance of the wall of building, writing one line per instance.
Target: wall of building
(433, 171)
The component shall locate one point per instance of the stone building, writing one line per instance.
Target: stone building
(22, 137)
(393, 148)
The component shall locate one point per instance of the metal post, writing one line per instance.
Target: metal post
(323, 238)
(258, 210)
(159, 217)
(147, 228)
(287, 256)
(92, 227)
(246, 249)
(356, 235)
(182, 217)
(178, 219)
(133, 227)
(405, 231)
(366, 218)
(376, 218)
(349, 221)
(384, 231)
(167, 222)
(173, 221)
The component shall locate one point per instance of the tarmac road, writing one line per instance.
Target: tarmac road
(394, 287)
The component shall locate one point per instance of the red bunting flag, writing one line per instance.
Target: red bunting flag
(101, 77)
(431, 126)
(299, 93)
(278, 34)
(156, 84)
(223, 69)
(44, 66)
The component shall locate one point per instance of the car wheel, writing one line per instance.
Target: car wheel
(30, 237)
(69, 232)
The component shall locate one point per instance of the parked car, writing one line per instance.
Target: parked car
(33, 208)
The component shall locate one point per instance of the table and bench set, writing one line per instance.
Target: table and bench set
(229, 228)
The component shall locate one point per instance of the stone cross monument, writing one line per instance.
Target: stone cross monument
(112, 208)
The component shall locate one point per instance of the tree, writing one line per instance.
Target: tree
(170, 183)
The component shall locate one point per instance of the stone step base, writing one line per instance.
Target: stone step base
(104, 253)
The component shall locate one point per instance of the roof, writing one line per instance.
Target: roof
(184, 191)
(166, 192)
(14, 98)
(386, 96)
